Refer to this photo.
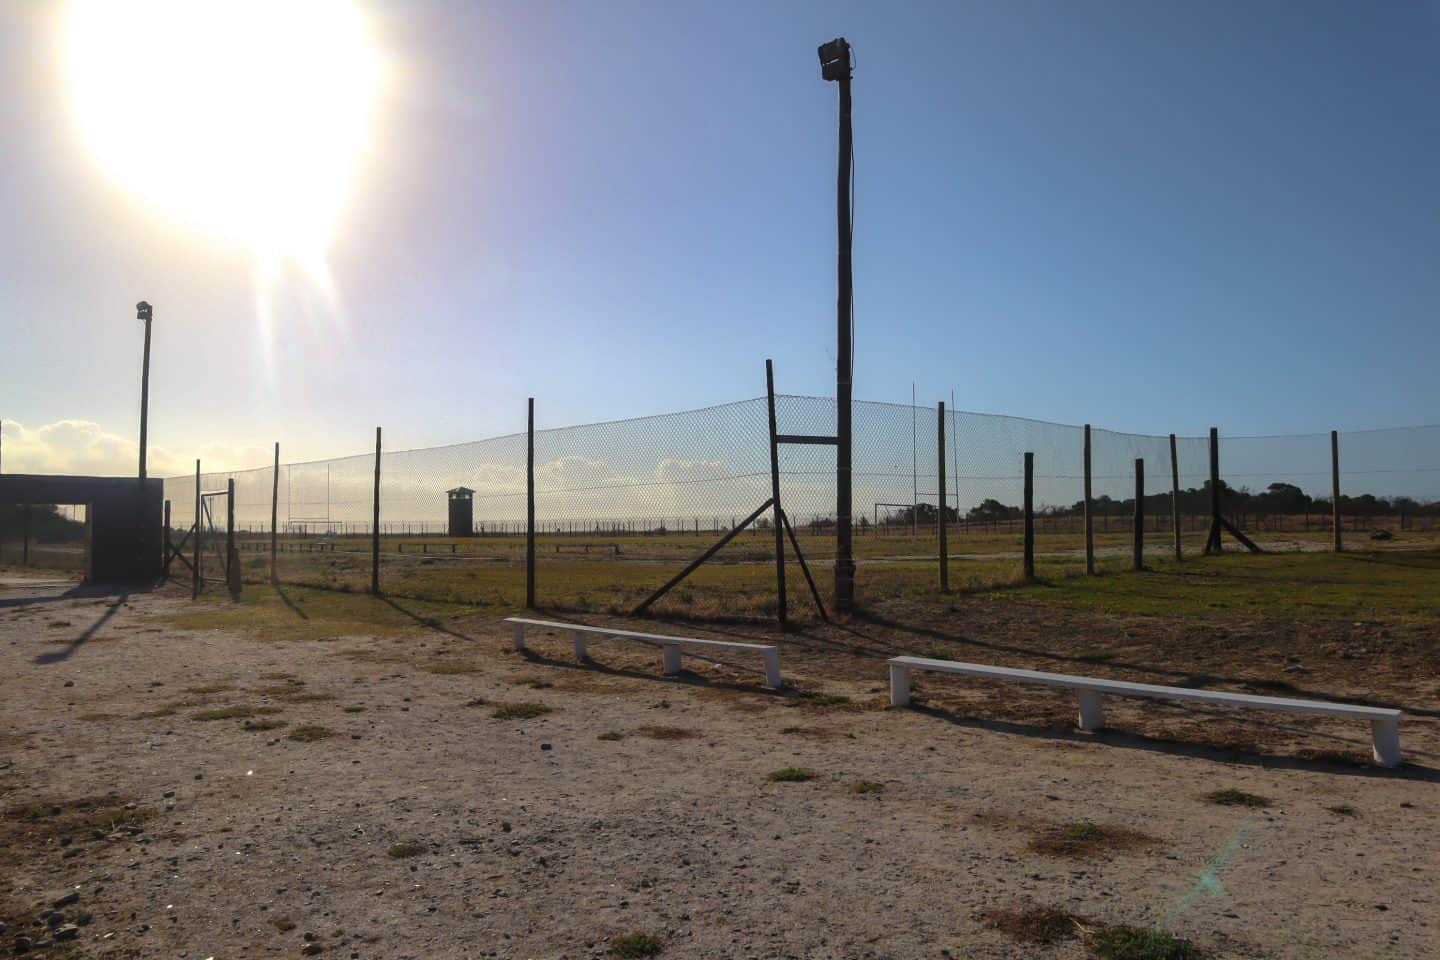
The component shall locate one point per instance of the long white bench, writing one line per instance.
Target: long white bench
(670, 656)
(1384, 722)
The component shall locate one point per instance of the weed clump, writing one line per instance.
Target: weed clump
(1135, 943)
(309, 733)
(1236, 798)
(819, 700)
(520, 711)
(263, 725)
(1034, 924)
(790, 775)
(233, 713)
(400, 851)
(636, 945)
(1087, 840)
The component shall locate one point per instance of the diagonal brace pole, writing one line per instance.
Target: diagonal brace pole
(694, 564)
(804, 567)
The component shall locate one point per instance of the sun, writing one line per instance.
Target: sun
(245, 119)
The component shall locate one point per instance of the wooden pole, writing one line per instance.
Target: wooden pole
(530, 508)
(695, 564)
(1212, 542)
(1175, 496)
(1089, 511)
(1138, 530)
(1029, 516)
(940, 503)
(232, 556)
(775, 497)
(375, 523)
(1335, 487)
(275, 515)
(195, 568)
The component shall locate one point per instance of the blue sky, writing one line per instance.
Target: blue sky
(1151, 216)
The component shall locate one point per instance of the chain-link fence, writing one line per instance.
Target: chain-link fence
(619, 506)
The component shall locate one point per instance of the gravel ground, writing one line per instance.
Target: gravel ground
(414, 823)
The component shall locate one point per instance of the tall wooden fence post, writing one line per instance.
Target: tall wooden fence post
(1089, 511)
(530, 509)
(1029, 516)
(275, 515)
(232, 555)
(782, 610)
(1335, 487)
(940, 504)
(1175, 496)
(1138, 532)
(195, 568)
(1212, 542)
(375, 524)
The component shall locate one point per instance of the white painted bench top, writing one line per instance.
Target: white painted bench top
(1384, 721)
(1122, 688)
(769, 652)
(633, 635)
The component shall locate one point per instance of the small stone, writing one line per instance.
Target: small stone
(23, 944)
(308, 937)
(69, 683)
(67, 931)
(199, 776)
(311, 949)
(544, 746)
(168, 794)
(65, 899)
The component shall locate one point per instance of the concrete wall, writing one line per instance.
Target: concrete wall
(123, 530)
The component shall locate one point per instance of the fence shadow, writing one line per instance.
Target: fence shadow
(70, 649)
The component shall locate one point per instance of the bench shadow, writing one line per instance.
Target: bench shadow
(70, 649)
(684, 677)
(1182, 748)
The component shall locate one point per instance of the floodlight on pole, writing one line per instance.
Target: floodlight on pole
(836, 64)
(144, 312)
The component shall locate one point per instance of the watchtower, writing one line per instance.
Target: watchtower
(462, 512)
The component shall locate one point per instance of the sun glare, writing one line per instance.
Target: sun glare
(245, 119)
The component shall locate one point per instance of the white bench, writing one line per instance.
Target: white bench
(1384, 722)
(670, 656)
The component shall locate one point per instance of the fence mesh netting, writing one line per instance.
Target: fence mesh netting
(701, 472)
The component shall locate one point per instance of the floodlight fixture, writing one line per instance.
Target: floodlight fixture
(835, 59)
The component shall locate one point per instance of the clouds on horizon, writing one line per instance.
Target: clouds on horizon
(85, 448)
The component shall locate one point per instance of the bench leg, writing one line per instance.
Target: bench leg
(579, 638)
(772, 669)
(1092, 714)
(671, 660)
(899, 686)
(519, 634)
(1386, 737)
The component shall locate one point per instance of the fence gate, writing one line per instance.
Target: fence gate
(216, 558)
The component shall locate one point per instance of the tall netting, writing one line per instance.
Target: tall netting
(619, 506)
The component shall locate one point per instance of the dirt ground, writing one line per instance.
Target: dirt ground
(356, 796)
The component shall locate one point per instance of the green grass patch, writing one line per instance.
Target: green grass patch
(790, 775)
(258, 725)
(611, 735)
(1385, 586)
(1343, 810)
(453, 668)
(520, 711)
(633, 945)
(209, 688)
(356, 709)
(233, 713)
(818, 700)
(1135, 943)
(401, 851)
(534, 683)
(1236, 798)
(309, 733)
